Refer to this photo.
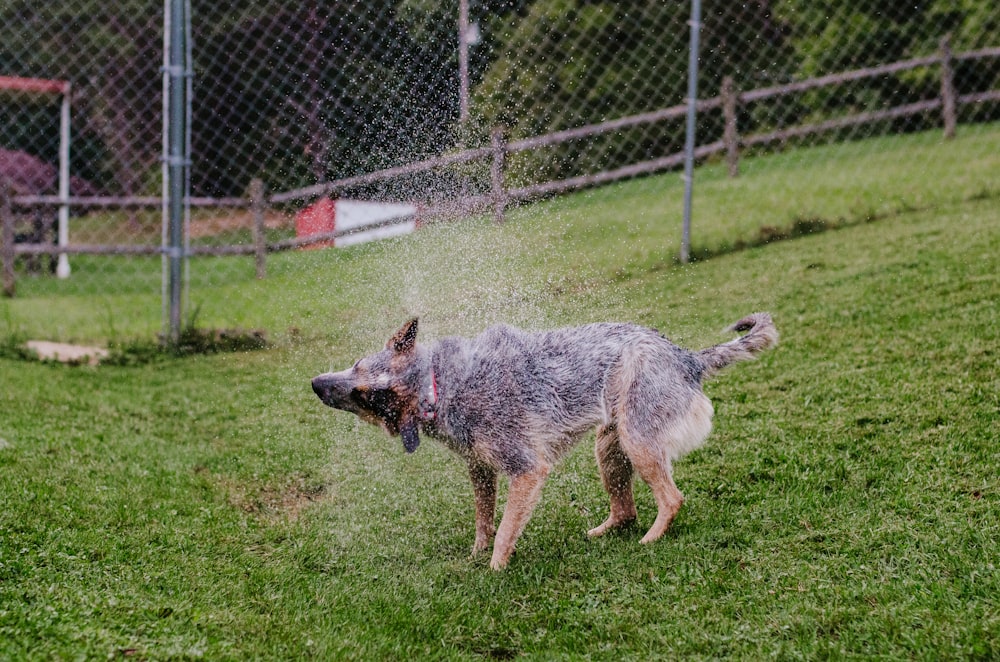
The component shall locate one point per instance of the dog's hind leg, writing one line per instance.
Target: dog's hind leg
(652, 450)
(616, 474)
(484, 486)
(522, 497)
(656, 472)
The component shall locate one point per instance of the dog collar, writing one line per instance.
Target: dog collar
(430, 413)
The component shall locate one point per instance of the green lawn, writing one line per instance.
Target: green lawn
(847, 504)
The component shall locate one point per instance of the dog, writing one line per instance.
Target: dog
(514, 402)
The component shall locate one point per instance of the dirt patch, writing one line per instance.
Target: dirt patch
(273, 503)
(211, 226)
(64, 353)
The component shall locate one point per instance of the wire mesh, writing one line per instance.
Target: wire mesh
(312, 98)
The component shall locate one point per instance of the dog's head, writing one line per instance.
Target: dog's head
(382, 389)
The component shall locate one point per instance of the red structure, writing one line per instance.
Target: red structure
(318, 218)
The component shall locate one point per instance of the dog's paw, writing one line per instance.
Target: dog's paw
(483, 543)
(610, 524)
(500, 558)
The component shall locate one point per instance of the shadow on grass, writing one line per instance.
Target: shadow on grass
(803, 227)
(769, 234)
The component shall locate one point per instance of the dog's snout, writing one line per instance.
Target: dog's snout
(332, 388)
(322, 385)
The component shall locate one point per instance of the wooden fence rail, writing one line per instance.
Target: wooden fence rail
(500, 196)
(120, 202)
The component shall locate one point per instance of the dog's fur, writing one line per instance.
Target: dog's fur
(514, 402)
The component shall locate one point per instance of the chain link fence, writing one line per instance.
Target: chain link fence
(439, 107)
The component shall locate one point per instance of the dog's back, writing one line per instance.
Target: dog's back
(534, 394)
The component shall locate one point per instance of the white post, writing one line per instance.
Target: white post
(62, 266)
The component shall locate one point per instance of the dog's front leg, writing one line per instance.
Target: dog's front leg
(484, 486)
(525, 490)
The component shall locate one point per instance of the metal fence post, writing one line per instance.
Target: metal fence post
(692, 101)
(7, 239)
(730, 134)
(463, 61)
(257, 206)
(498, 193)
(948, 104)
(177, 72)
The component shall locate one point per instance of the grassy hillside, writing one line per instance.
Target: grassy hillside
(847, 504)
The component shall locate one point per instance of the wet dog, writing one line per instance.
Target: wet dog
(513, 402)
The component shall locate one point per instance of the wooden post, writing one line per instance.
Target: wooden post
(948, 96)
(7, 239)
(730, 135)
(257, 207)
(419, 218)
(498, 193)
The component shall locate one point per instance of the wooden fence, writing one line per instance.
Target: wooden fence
(500, 196)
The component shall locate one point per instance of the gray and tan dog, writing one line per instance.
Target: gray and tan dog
(514, 402)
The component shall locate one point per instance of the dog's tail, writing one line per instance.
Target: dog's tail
(761, 334)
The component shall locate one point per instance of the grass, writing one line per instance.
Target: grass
(847, 504)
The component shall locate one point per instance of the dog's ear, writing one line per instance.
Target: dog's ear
(405, 339)
(408, 431)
